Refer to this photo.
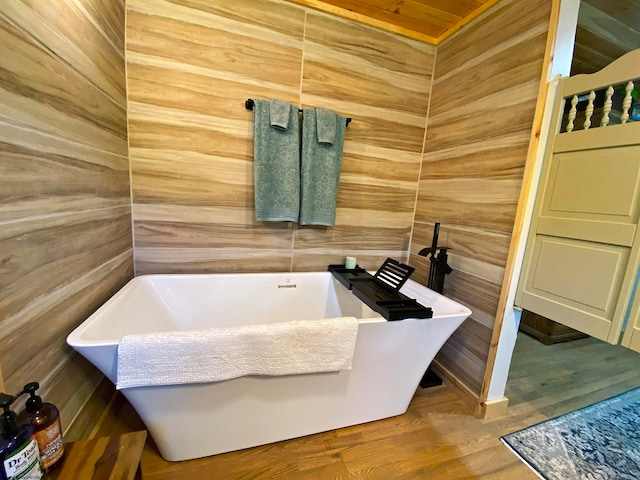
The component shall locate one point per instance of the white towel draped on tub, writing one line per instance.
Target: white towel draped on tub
(212, 355)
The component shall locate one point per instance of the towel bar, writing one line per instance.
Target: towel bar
(249, 104)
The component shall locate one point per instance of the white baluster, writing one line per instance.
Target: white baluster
(572, 113)
(588, 113)
(626, 103)
(606, 109)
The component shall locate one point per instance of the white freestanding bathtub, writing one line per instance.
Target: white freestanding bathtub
(196, 420)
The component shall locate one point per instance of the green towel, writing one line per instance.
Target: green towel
(276, 165)
(279, 113)
(320, 168)
(326, 125)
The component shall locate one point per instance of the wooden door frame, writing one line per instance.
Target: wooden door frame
(557, 60)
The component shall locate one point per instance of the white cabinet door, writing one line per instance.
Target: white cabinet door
(583, 248)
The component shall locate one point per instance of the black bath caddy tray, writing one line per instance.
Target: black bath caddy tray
(381, 292)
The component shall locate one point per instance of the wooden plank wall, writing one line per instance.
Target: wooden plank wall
(482, 106)
(191, 66)
(606, 31)
(65, 215)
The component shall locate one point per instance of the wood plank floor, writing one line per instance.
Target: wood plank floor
(436, 438)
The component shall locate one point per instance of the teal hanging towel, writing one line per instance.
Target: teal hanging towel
(322, 145)
(276, 161)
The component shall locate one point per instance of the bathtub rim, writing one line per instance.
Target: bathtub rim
(74, 339)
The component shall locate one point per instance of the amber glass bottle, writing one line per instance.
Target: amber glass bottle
(45, 419)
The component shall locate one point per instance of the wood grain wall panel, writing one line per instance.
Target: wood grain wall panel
(383, 82)
(475, 338)
(91, 45)
(47, 322)
(191, 65)
(475, 150)
(393, 138)
(222, 239)
(487, 248)
(46, 94)
(69, 387)
(60, 247)
(202, 228)
(479, 293)
(208, 45)
(483, 203)
(627, 12)
(506, 25)
(65, 220)
(57, 247)
(358, 45)
(474, 122)
(497, 159)
(311, 260)
(591, 53)
(466, 364)
(359, 85)
(353, 237)
(606, 31)
(44, 174)
(93, 411)
(188, 178)
(220, 260)
(107, 16)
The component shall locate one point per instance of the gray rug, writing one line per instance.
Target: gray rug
(598, 442)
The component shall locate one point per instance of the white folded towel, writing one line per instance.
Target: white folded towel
(212, 355)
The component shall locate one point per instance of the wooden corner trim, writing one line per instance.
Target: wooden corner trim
(493, 408)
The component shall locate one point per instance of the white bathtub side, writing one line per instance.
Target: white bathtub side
(191, 421)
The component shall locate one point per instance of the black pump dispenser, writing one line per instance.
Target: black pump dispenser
(34, 402)
(9, 421)
(45, 419)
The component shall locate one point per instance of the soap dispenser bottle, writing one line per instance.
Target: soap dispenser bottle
(18, 446)
(45, 419)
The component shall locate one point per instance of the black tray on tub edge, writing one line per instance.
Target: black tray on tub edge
(379, 295)
(346, 276)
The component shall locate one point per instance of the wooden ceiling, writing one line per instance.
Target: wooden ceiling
(429, 21)
(606, 29)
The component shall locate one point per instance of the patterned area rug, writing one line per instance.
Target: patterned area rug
(598, 442)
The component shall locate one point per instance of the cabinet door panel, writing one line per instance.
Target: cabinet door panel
(591, 195)
(576, 281)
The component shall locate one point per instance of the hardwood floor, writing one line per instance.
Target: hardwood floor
(436, 438)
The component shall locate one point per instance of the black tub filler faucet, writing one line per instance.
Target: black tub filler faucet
(437, 271)
(439, 266)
